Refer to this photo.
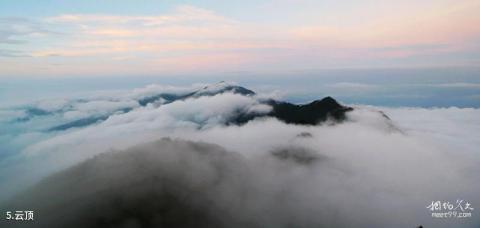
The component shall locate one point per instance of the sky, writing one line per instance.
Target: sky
(64, 62)
(393, 87)
(128, 38)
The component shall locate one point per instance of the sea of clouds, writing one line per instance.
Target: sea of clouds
(368, 171)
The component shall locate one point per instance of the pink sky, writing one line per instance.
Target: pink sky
(193, 39)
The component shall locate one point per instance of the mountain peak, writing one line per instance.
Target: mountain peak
(327, 101)
(218, 85)
(221, 87)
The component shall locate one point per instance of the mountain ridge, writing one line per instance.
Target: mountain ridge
(311, 113)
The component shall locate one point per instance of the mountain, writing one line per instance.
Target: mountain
(304, 114)
(209, 90)
(311, 113)
(222, 87)
(144, 186)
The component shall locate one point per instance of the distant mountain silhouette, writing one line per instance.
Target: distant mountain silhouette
(306, 114)
(222, 87)
(209, 90)
(312, 113)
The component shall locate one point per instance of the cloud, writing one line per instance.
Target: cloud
(145, 34)
(376, 179)
(368, 171)
(12, 53)
(99, 108)
(19, 30)
(458, 85)
(189, 40)
(189, 114)
(181, 14)
(389, 26)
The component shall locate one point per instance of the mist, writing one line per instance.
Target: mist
(369, 171)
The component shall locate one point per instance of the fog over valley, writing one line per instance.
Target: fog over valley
(224, 155)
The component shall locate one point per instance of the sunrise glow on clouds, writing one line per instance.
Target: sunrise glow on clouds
(194, 38)
(265, 113)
